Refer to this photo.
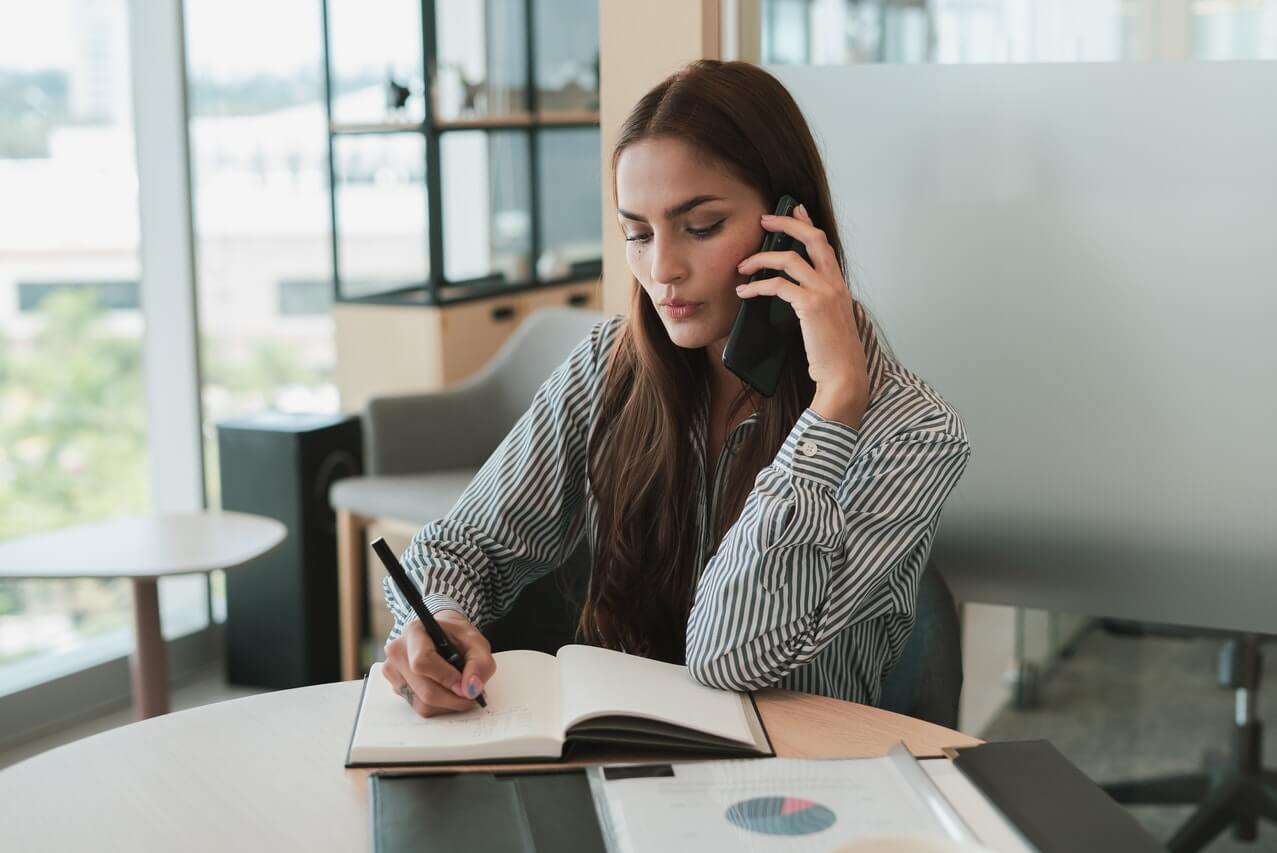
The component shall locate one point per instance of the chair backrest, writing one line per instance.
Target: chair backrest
(460, 426)
(545, 615)
(927, 680)
(528, 358)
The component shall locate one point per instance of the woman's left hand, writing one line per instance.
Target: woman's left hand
(823, 303)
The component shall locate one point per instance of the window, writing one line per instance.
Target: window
(981, 31)
(305, 298)
(72, 417)
(73, 423)
(108, 295)
(259, 163)
(786, 31)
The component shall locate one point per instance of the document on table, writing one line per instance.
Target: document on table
(771, 804)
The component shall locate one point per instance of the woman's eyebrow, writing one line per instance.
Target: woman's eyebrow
(676, 210)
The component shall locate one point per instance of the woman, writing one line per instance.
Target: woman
(761, 541)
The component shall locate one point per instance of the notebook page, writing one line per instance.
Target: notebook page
(522, 718)
(598, 682)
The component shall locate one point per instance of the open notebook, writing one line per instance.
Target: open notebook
(539, 704)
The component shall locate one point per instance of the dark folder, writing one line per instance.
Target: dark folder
(490, 812)
(1053, 804)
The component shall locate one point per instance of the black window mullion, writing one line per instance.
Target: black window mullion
(534, 150)
(434, 165)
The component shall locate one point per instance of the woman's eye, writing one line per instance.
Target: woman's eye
(702, 233)
(637, 238)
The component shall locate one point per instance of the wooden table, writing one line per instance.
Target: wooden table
(265, 773)
(144, 548)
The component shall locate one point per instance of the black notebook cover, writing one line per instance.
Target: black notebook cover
(1053, 804)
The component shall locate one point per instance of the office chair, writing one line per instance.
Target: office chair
(926, 682)
(1237, 794)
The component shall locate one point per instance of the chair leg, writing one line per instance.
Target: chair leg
(350, 556)
(1167, 790)
(1268, 805)
(1216, 813)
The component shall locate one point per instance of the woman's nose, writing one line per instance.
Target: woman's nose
(668, 265)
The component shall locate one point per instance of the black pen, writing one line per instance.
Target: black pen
(446, 650)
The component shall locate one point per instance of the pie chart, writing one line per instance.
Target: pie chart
(780, 816)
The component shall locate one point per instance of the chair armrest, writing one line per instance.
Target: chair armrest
(425, 432)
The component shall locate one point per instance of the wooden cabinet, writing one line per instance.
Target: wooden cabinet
(404, 349)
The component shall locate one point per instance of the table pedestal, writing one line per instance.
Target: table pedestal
(149, 662)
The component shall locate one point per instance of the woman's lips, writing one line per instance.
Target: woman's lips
(680, 310)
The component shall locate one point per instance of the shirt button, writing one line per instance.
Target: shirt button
(808, 448)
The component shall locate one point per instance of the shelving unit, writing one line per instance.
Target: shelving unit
(464, 158)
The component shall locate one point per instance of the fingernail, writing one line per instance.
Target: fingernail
(472, 689)
(740, 288)
(801, 209)
(768, 216)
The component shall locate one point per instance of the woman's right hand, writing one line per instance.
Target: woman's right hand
(436, 688)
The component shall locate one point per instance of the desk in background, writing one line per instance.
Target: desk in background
(143, 549)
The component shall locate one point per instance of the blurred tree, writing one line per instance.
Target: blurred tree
(72, 448)
(72, 422)
(269, 365)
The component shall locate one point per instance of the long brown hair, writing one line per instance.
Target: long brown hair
(642, 467)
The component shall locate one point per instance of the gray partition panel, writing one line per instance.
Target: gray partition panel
(1083, 259)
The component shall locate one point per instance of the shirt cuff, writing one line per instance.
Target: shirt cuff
(437, 601)
(819, 450)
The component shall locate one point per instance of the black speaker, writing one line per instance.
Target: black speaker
(281, 611)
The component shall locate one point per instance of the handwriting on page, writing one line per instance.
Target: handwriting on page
(406, 727)
(492, 724)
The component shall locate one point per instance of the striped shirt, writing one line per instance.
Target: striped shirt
(811, 589)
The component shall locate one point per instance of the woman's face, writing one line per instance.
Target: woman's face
(687, 222)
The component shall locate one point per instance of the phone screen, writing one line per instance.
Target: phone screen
(766, 327)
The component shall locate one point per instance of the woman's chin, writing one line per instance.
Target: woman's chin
(684, 338)
(695, 333)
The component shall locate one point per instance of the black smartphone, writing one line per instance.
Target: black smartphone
(766, 327)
